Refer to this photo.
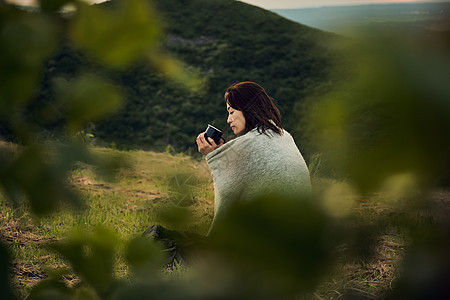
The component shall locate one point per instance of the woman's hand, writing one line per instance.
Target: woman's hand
(204, 147)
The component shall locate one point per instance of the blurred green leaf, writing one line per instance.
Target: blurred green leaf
(51, 288)
(5, 287)
(179, 72)
(92, 256)
(105, 164)
(26, 40)
(145, 257)
(119, 35)
(387, 119)
(42, 182)
(52, 5)
(87, 98)
(284, 245)
(174, 216)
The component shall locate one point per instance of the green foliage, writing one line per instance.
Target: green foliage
(286, 242)
(92, 256)
(117, 36)
(52, 5)
(144, 256)
(32, 176)
(77, 98)
(21, 59)
(85, 138)
(385, 129)
(5, 289)
(388, 118)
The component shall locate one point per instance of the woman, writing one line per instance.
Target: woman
(262, 160)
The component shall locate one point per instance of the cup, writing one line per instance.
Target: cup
(213, 133)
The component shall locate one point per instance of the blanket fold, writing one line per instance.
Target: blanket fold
(255, 164)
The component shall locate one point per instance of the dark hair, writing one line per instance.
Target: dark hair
(257, 107)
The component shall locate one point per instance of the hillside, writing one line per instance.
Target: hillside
(226, 41)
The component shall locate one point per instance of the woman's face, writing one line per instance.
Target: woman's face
(236, 120)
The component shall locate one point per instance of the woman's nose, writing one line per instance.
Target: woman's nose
(229, 120)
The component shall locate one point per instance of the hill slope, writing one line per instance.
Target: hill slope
(227, 42)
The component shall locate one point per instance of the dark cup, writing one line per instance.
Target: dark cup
(213, 133)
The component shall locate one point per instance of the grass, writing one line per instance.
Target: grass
(177, 192)
(370, 276)
(143, 193)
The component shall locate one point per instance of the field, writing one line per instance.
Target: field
(139, 196)
(175, 191)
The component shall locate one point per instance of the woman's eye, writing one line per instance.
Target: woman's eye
(231, 112)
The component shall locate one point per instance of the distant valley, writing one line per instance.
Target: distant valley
(354, 20)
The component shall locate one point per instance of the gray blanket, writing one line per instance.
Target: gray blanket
(255, 164)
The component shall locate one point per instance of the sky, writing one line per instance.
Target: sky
(273, 4)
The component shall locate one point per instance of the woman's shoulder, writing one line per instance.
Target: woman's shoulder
(256, 138)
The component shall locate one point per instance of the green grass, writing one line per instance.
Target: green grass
(144, 192)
